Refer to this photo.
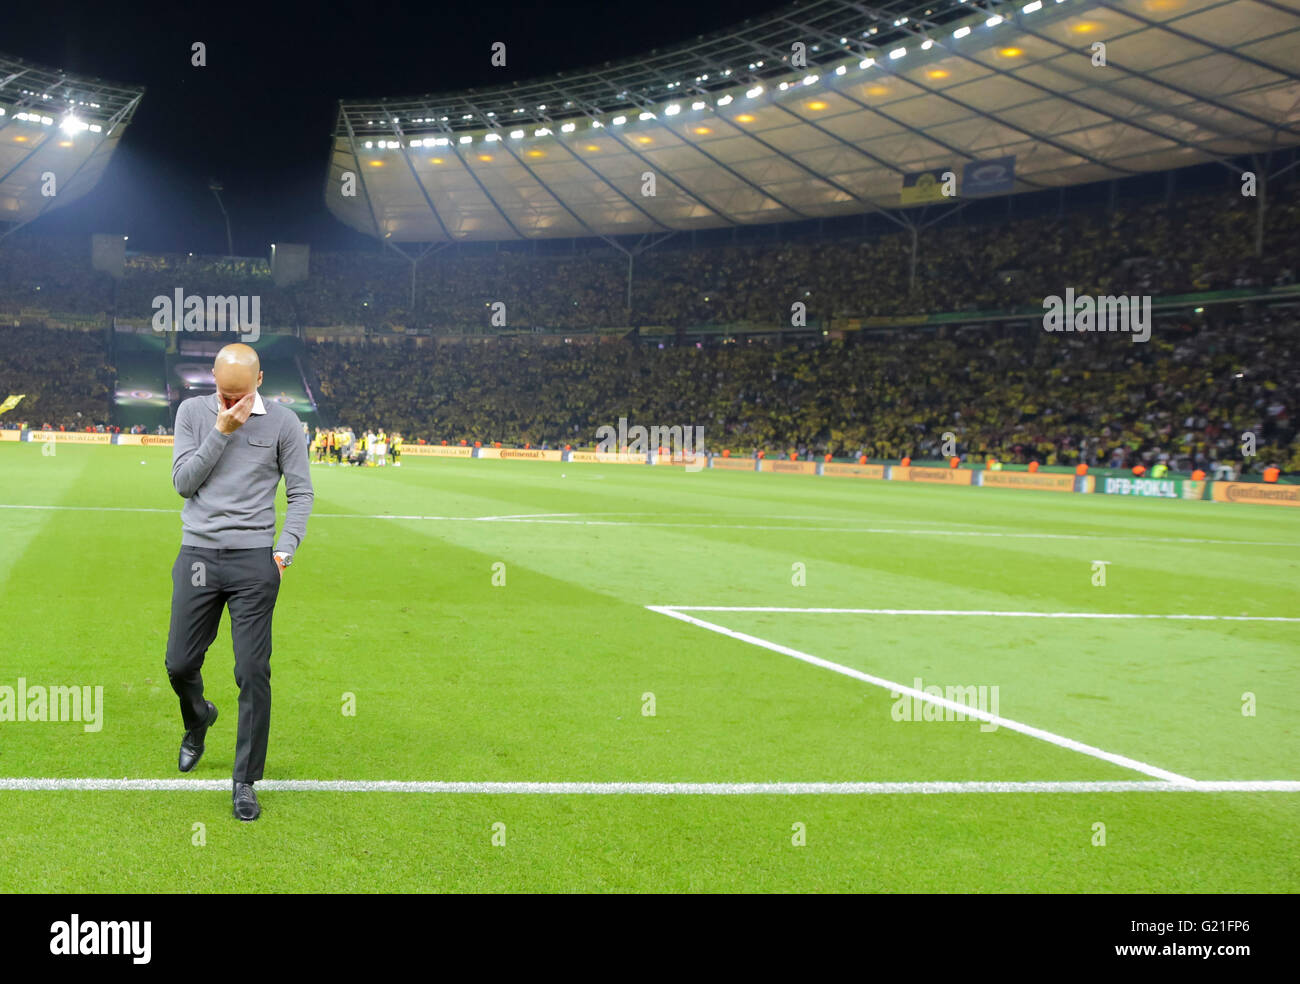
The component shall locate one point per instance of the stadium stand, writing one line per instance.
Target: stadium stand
(64, 375)
(1197, 242)
(1018, 394)
(882, 395)
(1194, 243)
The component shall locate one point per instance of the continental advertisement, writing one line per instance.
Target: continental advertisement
(939, 476)
(1043, 481)
(529, 454)
(11, 435)
(607, 457)
(69, 437)
(436, 450)
(788, 467)
(1158, 488)
(1257, 492)
(146, 440)
(732, 464)
(853, 471)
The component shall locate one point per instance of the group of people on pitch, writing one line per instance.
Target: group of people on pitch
(370, 448)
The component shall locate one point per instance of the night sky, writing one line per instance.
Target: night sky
(259, 116)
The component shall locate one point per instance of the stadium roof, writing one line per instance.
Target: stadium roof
(53, 123)
(736, 133)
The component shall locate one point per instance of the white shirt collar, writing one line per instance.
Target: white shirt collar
(258, 405)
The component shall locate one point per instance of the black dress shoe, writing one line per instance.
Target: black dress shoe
(192, 743)
(244, 801)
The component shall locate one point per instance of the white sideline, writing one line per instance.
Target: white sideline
(665, 609)
(546, 519)
(965, 709)
(649, 788)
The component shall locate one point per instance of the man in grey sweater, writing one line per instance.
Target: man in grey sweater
(230, 451)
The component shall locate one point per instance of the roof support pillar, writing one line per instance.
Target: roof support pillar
(415, 261)
(643, 245)
(1261, 195)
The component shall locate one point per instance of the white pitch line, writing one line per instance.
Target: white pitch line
(131, 509)
(873, 530)
(960, 611)
(649, 788)
(500, 519)
(542, 518)
(965, 709)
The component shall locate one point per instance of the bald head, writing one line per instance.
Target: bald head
(238, 372)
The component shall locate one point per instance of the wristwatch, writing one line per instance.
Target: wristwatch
(283, 559)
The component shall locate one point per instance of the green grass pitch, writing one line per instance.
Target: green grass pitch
(547, 678)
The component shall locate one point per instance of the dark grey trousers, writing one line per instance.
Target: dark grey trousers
(204, 581)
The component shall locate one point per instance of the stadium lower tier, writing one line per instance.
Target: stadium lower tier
(1191, 397)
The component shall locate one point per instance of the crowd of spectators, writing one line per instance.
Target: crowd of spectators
(64, 377)
(52, 274)
(1194, 242)
(1185, 398)
(1201, 242)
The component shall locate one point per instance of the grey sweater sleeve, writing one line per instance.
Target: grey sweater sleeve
(298, 490)
(194, 455)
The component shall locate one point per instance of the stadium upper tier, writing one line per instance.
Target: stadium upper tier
(57, 133)
(1189, 243)
(736, 130)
